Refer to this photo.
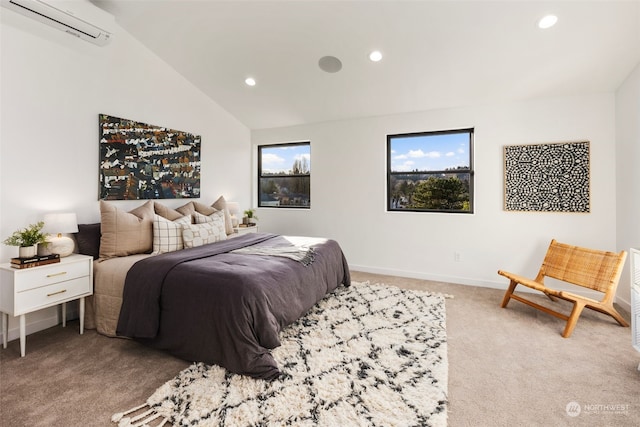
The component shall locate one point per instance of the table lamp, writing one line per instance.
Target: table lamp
(234, 208)
(58, 223)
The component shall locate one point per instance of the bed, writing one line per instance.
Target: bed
(219, 303)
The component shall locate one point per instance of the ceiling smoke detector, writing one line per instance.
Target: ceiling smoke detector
(330, 64)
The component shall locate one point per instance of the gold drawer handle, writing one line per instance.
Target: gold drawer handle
(56, 293)
(62, 273)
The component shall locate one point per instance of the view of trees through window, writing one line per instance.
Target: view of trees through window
(284, 175)
(430, 171)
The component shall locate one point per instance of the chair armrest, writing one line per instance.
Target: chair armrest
(575, 297)
(525, 281)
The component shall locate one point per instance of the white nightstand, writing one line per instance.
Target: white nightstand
(239, 231)
(23, 291)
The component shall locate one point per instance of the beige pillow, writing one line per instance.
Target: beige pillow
(217, 217)
(125, 233)
(204, 209)
(221, 205)
(187, 209)
(167, 235)
(167, 212)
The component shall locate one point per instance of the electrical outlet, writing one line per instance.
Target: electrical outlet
(457, 256)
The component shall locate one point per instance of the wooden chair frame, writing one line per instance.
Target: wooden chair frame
(593, 269)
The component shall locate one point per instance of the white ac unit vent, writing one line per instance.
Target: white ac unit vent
(635, 312)
(78, 18)
(635, 299)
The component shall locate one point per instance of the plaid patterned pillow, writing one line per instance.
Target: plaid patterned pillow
(167, 235)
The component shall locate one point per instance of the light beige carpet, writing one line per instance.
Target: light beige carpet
(507, 367)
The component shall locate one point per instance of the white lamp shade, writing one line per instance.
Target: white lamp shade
(234, 207)
(56, 223)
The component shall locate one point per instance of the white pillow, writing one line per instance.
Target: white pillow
(200, 234)
(167, 235)
(199, 218)
(217, 219)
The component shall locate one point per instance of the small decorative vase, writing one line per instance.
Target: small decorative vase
(44, 249)
(27, 251)
(245, 220)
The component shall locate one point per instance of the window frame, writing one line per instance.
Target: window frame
(260, 176)
(469, 170)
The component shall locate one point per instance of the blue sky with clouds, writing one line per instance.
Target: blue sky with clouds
(430, 152)
(279, 159)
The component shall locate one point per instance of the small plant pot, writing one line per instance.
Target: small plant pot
(44, 249)
(27, 251)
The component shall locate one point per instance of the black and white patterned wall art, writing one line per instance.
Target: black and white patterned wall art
(547, 177)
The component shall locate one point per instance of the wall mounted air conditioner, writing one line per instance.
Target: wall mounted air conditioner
(78, 18)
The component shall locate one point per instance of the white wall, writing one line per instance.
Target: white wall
(627, 170)
(53, 87)
(348, 169)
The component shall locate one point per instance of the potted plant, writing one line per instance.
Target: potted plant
(249, 217)
(27, 239)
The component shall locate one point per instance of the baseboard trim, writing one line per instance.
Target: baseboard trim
(42, 324)
(427, 276)
(626, 305)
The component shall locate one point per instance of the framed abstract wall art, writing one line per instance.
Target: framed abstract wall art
(142, 161)
(547, 177)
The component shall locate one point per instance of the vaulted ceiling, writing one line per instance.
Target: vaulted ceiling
(436, 54)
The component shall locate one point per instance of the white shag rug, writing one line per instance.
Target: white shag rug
(366, 355)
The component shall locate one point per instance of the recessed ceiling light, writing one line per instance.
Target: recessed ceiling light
(375, 56)
(250, 81)
(547, 21)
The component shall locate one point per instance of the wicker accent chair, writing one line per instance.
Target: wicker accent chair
(592, 269)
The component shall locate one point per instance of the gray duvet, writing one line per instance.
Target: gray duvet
(208, 305)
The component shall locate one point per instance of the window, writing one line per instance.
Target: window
(284, 175)
(430, 171)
